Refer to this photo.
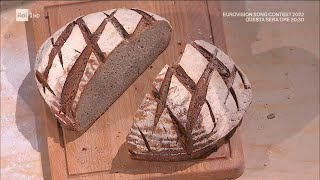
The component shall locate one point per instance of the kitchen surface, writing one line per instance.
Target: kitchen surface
(280, 131)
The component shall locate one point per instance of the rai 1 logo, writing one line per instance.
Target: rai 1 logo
(25, 14)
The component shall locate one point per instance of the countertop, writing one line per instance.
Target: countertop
(280, 59)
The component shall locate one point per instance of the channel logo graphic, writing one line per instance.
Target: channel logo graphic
(24, 15)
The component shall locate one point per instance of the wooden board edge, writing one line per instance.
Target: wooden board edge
(216, 21)
(217, 27)
(40, 7)
(57, 161)
(232, 167)
(55, 146)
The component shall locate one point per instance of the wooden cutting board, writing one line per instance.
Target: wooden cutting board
(101, 152)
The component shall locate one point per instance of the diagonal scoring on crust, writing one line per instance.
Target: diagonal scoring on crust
(198, 92)
(43, 81)
(91, 39)
(182, 134)
(55, 50)
(222, 69)
(198, 99)
(145, 15)
(59, 52)
(162, 95)
(57, 46)
(190, 85)
(119, 27)
(194, 144)
(144, 139)
(227, 76)
(88, 37)
(67, 100)
(72, 84)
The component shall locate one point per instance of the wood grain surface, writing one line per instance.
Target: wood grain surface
(101, 152)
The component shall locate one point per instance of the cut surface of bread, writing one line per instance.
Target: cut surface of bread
(87, 64)
(194, 104)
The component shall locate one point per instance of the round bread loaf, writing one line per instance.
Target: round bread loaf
(87, 64)
(194, 104)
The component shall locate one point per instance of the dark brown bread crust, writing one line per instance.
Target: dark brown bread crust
(76, 73)
(42, 78)
(124, 55)
(198, 99)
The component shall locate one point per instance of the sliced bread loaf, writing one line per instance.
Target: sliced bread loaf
(87, 64)
(194, 104)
